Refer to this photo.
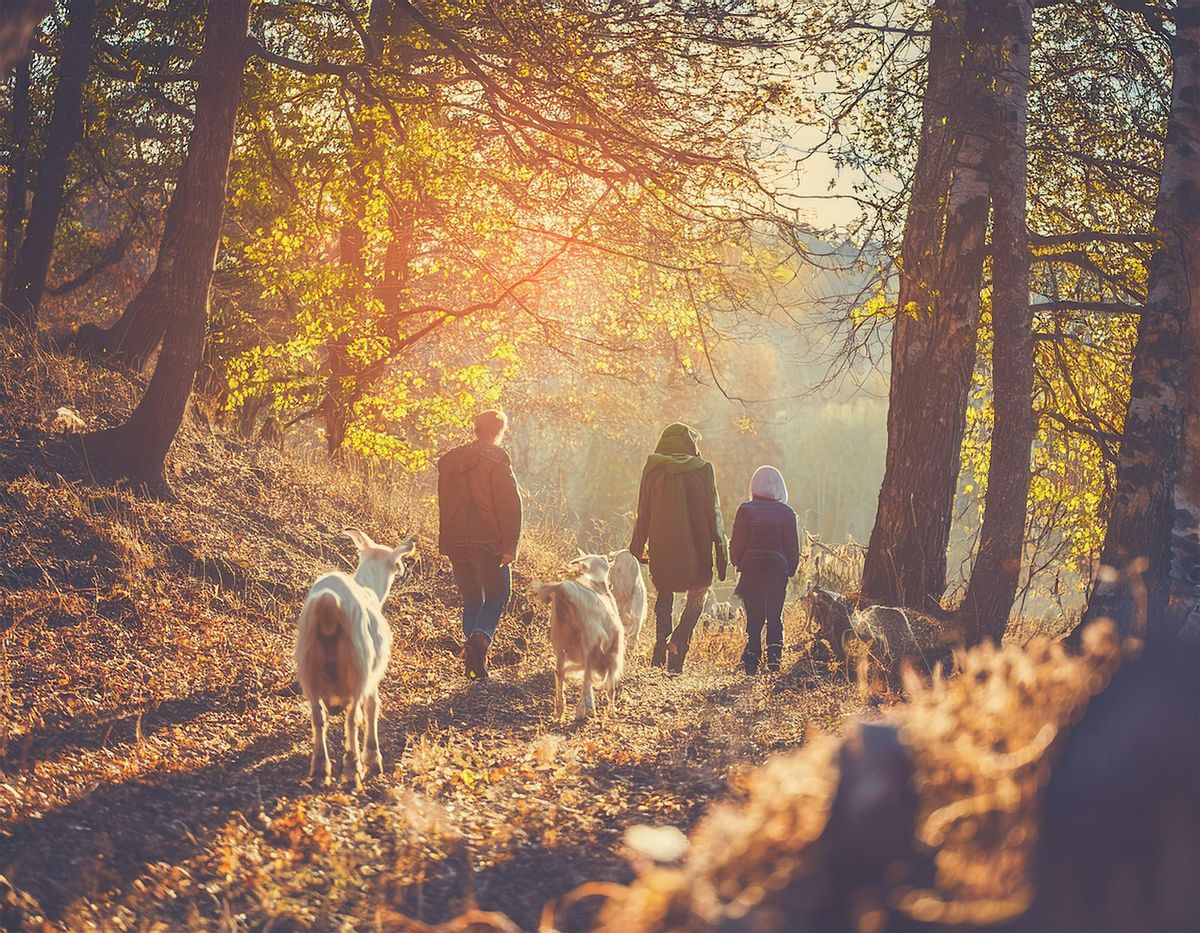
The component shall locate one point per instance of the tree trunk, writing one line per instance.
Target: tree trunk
(997, 569)
(136, 334)
(341, 393)
(25, 280)
(1134, 584)
(18, 170)
(138, 448)
(343, 386)
(933, 340)
(1183, 606)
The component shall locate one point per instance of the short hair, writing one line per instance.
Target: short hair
(490, 424)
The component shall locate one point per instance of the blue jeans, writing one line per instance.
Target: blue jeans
(485, 588)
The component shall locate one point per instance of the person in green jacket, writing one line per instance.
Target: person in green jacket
(679, 516)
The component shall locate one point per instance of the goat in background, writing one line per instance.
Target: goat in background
(586, 632)
(629, 591)
(343, 645)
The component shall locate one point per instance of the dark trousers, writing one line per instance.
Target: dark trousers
(681, 635)
(764, 601)
(485, 588)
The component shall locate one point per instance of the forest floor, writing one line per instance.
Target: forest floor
(153, 745)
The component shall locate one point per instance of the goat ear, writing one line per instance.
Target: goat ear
(361, 539)
(405, 548)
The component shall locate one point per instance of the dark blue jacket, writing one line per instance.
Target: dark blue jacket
(765, 537)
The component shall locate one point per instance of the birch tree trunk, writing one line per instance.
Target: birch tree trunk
(997, 568)
(933, 341)
(1183, 605)
(1183, 601)
(25, 279)
(1135, 580)
(137, 449)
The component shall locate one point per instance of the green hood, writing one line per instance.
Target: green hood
(677, 450)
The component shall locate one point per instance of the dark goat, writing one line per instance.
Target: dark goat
(831, 614)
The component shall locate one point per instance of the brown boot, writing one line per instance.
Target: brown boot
(675, 656)
(476, 656)
(659, 658)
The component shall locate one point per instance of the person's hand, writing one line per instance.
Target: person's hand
(506, 558)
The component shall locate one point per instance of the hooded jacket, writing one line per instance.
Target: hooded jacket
(479, 504)
(679, 514)
(765, 542)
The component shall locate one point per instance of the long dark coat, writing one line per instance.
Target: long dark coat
(679, 515)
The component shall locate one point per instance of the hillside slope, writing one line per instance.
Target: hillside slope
(152, 745)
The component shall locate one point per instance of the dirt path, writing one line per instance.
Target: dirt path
(487, 800)
(194, 814)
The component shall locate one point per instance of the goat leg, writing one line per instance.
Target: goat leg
(351, 766)
(586, 702)
(559, 676)
(374, 757)
(318, 771)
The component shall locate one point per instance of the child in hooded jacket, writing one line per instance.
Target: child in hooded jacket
(765, 548)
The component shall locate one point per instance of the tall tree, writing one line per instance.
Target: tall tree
(1183, 606)
(25, 279)
(18, 167)
(997, 566)
(1134, 584)
(137, 72)
(180, 285)
(933, 339)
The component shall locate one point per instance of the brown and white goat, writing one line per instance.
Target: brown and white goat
(343, 644)
(586, 632)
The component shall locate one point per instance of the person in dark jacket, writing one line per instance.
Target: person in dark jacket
(479, 510)
(765, 548)
(679, 517)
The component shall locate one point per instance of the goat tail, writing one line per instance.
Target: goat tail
(327, 611)
(321, 621)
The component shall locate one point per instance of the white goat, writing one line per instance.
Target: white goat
(343, 644)
(629, 591)
(586, 632)
(722, 614)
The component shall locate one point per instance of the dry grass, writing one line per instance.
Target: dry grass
(980, 746)
(152, 745)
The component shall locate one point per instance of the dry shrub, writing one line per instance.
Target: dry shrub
(979, 747)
